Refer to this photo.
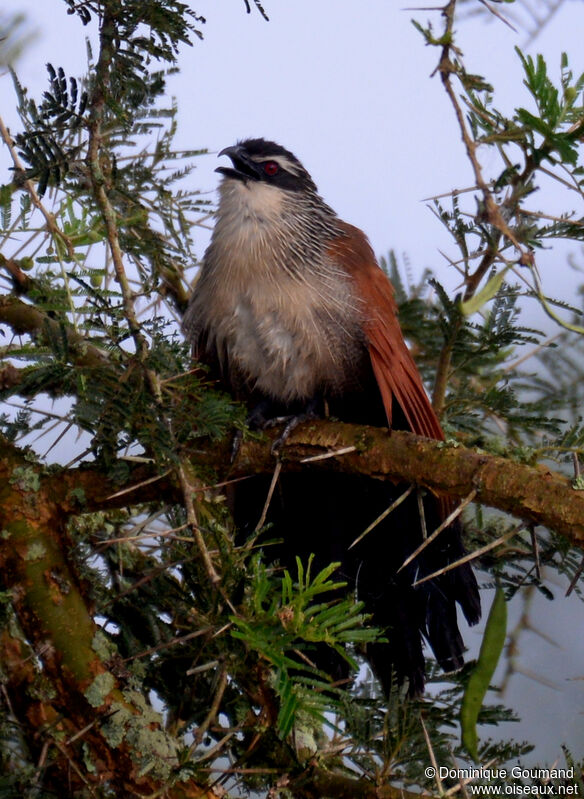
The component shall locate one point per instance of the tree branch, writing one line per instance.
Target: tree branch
(52, 610)
(29, 186)
(533, 493)
(24, 318)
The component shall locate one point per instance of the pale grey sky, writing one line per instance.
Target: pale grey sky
(346, 87)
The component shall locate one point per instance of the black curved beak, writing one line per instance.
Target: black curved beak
(243, 167)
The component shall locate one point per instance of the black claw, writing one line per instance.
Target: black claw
(265, 415)
(292, 423)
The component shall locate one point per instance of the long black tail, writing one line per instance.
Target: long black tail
(322, 514)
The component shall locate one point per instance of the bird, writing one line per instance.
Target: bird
(292, 314)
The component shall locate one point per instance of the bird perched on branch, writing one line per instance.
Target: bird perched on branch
(293, 315)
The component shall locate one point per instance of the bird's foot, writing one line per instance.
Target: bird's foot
(292, 422)
(262, 417)
(259, 419)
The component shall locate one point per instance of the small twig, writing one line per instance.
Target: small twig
(74, 767)
(39, 411)
(447, 521)
(241, 770)
(383, 515)
(130, 539)
(305, 658)
(541, 23)
(200, 669)
(42, 760)
(187, 491)
(271, 490)
(498, 15)
(136, 486)
(461, 782)
(61, 435)
(540, 633)
(446, 68)
(99, 182)
(29, 186)
(464, 781)
(531, 675)
(138, 527)
(451, 193)
(575, 578)
(78, 458)
(168, 644)
(432, 756)
(81, 732)
(213, 711)
(211, 753)
(223, 629)
(163, 567)
(324, 456)
(422, 513)
(456, 264)
(535, 548)
(472, 556)
(574, 186)
(550, 217)
(513, 366)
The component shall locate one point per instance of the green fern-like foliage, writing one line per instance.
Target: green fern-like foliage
(285, 628)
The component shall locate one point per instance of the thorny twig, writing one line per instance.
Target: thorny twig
(447, 67)
(446, 523)
(473, 555)
(29, 186)
(213, 711)
(99, 183)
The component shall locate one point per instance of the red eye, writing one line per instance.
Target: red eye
(271, 168)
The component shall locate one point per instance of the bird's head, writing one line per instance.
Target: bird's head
(262, 162)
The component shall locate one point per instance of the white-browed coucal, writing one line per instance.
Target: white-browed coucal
(293, 315)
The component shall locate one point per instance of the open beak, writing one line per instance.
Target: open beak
(243, 167)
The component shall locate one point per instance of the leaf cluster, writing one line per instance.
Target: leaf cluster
(285, 628)
(483, 391)
(557, 108)
(49, 145)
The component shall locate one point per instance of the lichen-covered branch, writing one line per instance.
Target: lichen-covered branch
(533, 493)
(90, 710)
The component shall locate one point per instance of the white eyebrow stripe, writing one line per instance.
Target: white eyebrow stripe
(285, 163)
